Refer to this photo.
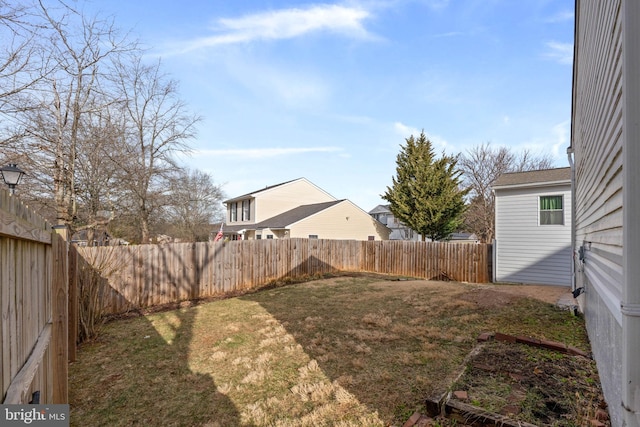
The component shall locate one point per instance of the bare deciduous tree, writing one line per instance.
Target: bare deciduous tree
(481, 166)
(83, 111)
(80, 51)
(22, 65)
(52, 112)
(97, 171)
(21, 61)
(195, 204)
(158, 126)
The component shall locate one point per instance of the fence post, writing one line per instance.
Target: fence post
(60, 313)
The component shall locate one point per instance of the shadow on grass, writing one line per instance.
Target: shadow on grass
(378, 344)
(152, 383)
(387, 348)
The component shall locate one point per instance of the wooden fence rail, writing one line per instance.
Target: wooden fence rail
(33, 305)
(148, 275)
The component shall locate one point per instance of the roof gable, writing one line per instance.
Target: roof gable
(276, 186)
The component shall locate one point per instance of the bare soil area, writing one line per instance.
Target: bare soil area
(524, 383)
(496, 295)
(533, 385)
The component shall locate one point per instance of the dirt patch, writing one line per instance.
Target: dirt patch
(499, 295)
(484, 296)
(533, 385)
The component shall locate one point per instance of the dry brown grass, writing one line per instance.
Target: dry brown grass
(348, 351)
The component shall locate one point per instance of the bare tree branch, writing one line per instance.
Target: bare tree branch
(482, 166)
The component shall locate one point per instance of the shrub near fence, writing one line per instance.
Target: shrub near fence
(148, 275)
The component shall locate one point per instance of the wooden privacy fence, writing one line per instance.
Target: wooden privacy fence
(148, 275)
(33, 301)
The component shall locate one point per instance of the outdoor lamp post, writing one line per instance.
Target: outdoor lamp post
(11, 175)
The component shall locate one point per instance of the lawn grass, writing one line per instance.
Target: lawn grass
(343, 351)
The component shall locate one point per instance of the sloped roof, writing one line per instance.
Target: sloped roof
(294, 215)
(379, 209)
(252, 193)
(533, 177)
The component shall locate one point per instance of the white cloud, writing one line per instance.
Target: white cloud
(560, 52)
(407, 131)
(555, 143)
(285, 24)
(257, 153)
(560, 133)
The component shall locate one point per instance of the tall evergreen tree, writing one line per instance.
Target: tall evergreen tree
(426, 194)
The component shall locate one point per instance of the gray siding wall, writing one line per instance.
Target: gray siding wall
(597, 138)
(527, 252)
(605, 335)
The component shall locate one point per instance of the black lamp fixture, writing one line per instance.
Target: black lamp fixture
(11, 175)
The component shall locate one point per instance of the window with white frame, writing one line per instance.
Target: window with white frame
(246, 210)
(233, 212)
(551, 210)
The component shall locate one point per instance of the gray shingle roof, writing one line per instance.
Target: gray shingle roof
(379, 209)
(294, 215)
(532, 177)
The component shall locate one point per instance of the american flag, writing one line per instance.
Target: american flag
(219, 235)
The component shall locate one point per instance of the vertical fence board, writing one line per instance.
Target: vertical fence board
(60, 311)
(5, 375)
(22, 303)
(12, 315)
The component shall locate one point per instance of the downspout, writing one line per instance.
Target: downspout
(630, 304)
(573, 215)
(494, 241)
(570, 149)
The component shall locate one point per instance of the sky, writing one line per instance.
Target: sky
(329, 90)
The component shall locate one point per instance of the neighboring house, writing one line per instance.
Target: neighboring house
(605, 151)
(399, 231)
(96, 238)
(533, 227)
(463, 238)
(298, 208)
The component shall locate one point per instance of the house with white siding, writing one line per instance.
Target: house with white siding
(533, 227)
(298, 208)
(605, 153)
(399, 231)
